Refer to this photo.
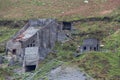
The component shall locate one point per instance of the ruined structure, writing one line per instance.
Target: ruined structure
(34, 41)
(90, 44)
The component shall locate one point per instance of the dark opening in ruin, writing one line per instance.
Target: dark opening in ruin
(97, 47)
(30, 68)
(33, 45)
(66, 26)
(14, 51)
(94, 48)
(90, 48)
(28, 46)
(85, 48)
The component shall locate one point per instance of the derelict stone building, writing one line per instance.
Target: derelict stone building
(90, 44)
(35, 40)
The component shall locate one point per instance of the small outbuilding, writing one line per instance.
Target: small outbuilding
(90, 44)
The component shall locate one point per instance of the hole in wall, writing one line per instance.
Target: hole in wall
(30, 68)
(85, 48)
(14, 51)
(66, 26)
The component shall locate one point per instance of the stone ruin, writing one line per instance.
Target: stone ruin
(35, 40)
(90, 44)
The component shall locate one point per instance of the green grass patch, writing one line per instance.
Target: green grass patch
(112, 42)
(100, 65)
(5, 34)
(5, 72)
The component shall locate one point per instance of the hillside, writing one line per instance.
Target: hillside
(96, 19)
(60, 9)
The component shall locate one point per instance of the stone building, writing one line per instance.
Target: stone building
(37, 37)
(90, 44)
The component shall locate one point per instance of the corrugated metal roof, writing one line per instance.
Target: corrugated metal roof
(30, 32)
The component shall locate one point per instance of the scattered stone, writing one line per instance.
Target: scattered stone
(66, 73)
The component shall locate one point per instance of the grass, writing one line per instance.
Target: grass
(5, 72)
(40, 73)
(99, 30)
(5, 34)
(112, 42)
(100, 65)
(60, 9)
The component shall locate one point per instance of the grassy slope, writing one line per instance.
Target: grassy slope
(100, 65)
(113, 41)
(60, 9)
(5, 34)
(105, 64)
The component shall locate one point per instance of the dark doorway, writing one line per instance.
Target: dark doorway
(90, 48)
(14, 51)
(30, 68)
(94, 48)
(66, 26)
(97, 47)
(84, 48)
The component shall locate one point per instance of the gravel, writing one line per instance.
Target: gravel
(67, 73)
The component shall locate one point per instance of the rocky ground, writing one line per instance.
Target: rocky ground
(67, 73)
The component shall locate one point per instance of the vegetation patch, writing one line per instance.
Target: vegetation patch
(112, 42)
(5, 34)
(100, 65)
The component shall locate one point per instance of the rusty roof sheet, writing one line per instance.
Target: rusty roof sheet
(28, 33)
